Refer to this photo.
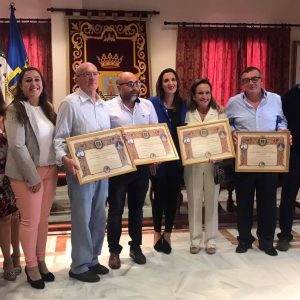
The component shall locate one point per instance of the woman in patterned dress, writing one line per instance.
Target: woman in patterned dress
(9, 214)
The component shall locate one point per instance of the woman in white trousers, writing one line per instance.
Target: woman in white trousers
(199, 179)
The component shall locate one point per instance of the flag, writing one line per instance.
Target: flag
(17, 58)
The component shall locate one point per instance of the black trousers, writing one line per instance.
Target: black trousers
(264, 185)
(166, 188)
(135, 186)
(290, 188)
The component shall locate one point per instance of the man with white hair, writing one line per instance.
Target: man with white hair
(83, 112)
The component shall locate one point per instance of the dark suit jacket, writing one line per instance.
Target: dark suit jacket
(291, 110)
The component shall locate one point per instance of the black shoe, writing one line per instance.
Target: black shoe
(114, 261)
(88, 276)
(37, 284)
(48, 276)
(166, 246)
(283, 244)
(268, 250)
(159, 245)
(137, 255)
(243, 247)
(99, 269)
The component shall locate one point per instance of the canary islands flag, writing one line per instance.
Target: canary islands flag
(17, 57)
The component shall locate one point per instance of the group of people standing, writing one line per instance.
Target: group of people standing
(36, 139)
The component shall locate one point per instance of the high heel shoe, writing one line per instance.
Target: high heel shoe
(48, 276)
(159, 245)
(45, 276)
(37, 284)
(166, 246)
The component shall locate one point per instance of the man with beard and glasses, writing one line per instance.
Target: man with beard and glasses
(128, 109)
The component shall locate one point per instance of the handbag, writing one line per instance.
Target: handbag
(224, 171)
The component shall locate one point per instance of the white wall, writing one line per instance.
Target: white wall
(162, 38)
(26, 8)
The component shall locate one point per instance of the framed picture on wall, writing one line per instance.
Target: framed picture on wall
(296, 62)
(107, 84)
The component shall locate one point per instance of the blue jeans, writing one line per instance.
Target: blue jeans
(88, 221)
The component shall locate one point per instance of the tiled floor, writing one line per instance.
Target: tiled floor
(180, 275)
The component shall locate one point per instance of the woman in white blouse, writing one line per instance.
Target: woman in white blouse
(30, 122)
(199, 179)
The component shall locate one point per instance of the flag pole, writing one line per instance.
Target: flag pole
(12, 6)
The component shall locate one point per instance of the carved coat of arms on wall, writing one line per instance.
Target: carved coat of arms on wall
(113, 46)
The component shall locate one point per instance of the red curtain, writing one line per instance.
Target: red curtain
(220, 54)
(37, 41)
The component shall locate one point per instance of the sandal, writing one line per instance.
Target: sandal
(194, 249)
(18, 270)
(17, 265)
(211, 249)
(9, 273)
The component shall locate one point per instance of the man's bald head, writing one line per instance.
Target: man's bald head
(87, 78)
(128, 87)
(124, 77)
(83, 67)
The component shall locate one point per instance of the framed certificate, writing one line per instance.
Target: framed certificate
(100, 154)
(202, 142)
(150, 143)
(263, 151)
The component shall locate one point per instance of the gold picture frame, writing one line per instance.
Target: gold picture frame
(150, 143)
(262, 151)
(100, 155)
(107, 84)
(206, 141)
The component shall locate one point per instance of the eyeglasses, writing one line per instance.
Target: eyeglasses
(131, 83)
(88, 74)
(254, 79)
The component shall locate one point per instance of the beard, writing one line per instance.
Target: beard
(131, 97)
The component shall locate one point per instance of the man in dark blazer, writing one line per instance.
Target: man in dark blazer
(291, 180)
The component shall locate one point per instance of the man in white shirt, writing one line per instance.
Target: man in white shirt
(128, 109)
(83, 112)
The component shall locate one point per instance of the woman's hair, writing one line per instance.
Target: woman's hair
(43, 101)
(160, 93)
(191, 103)
(2, 104)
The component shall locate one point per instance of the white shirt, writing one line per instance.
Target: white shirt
(77, 115)
(120, 115)
(44, 135)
